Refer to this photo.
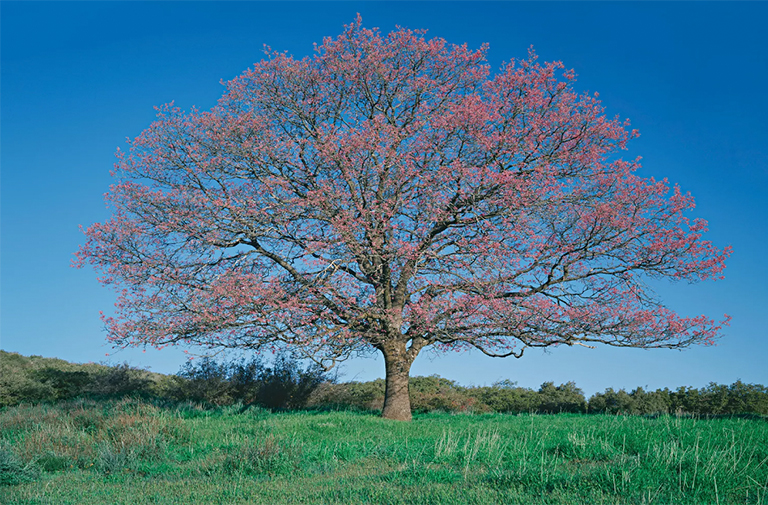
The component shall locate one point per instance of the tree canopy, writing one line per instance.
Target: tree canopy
(390, 193)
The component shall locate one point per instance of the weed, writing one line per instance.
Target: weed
(269, 456)
(111, 459)
(13, 471)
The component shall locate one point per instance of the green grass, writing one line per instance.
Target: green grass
(133, 452)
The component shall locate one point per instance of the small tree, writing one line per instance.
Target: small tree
(390, 194)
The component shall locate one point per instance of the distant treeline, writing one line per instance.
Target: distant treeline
(286, 385)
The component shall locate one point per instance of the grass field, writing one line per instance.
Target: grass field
(135, 452)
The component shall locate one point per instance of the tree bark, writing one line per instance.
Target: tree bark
(397, 399)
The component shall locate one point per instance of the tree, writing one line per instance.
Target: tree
(388, 194)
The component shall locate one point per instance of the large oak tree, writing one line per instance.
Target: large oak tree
(388, 194)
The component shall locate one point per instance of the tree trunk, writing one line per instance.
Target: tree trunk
(397, 400)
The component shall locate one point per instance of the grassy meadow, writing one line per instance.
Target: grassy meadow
(133, 451)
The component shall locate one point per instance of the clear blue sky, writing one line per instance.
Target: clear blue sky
(78, 78)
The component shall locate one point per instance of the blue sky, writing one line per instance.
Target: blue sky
(78, 78)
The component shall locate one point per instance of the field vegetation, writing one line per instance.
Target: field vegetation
(285, 385)
(135, 451)
(245, 432)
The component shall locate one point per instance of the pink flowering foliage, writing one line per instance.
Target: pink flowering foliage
(392, 190)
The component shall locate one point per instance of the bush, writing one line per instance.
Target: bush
(38, 379)
(651, 402)
(203, 380)
(245, 379)
(64, 384)
(434, 393)
(747, 398)
(428, 394)
(366, 396)
(505, 397)
(563, 398)
(119, 381)
(715, 399)
(17, 386)
(612, 402)
(286, 386)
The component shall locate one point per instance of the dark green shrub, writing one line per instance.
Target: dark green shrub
(688, 400)
(38, 379)
(563, 398)
(203, 380)
(747, 398)
(118, 381)
(245, 380)
(651, 402)
(505, 397)
(285, 385)
(715, 399)
(738, 398)
(612, 402)
(64, 383)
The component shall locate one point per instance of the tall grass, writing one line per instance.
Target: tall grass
(137, 452)
(81, 434)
